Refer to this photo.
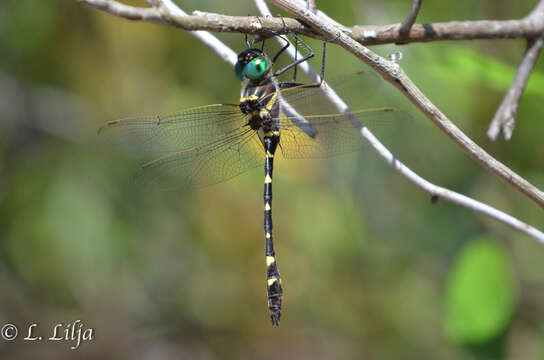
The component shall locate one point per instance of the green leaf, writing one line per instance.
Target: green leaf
(481, 293)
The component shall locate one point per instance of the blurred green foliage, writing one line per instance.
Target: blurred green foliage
(480, 68)
(481, 294)
(371, 268)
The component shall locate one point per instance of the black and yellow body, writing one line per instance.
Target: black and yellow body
(259, 102)
(274, 289)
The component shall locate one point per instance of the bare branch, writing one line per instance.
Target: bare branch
(406, 25)
(538, 11)
(395, 75)
(435, 191)
(163, 12)
(125, 11)
(529, 27)
(505, 117)
(454, 30)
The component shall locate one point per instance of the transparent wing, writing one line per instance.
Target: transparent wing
(214, 162)
(322, 131)
(163, 134)
(334, 134)
(195, 147)
(361, 89)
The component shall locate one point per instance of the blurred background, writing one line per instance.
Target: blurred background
(371, 269)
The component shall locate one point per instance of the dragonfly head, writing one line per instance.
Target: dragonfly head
(252, 64)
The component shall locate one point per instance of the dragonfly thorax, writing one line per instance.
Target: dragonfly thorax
(259, 103)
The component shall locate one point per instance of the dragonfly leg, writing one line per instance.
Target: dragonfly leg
(258, 38)
(296, 55)
(247, 41)
(288, 84)
(273, 280)
(284, 47)
(297, 61)
(323, 57)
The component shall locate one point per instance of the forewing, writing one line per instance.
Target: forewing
(194, 147)
(163, 134)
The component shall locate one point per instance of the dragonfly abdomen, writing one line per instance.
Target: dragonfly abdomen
(273, 285)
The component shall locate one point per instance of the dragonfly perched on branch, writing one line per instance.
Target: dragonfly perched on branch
(209, 144)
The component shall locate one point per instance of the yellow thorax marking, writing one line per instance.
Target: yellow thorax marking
(272, 133)
(270, 260)
(250, 97)
(267, 179)
(272, 280)
(267, 207)
(269, 154)
(271, 102)
(267, 235)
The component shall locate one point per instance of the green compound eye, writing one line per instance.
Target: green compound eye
(256, 68)
(239, 71)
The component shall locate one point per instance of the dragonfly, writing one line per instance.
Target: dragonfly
(209, 144)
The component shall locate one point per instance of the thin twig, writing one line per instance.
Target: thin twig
(394, 74)
(435, 191)
(505, 117)
(528, 27)
(125, 11)
(406, 25)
